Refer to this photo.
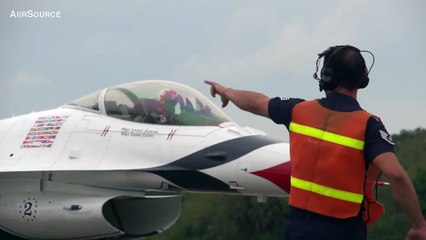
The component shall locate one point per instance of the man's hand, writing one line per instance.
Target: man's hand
(216, 88)
(416, 234)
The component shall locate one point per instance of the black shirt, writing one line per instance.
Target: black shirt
(377, 139)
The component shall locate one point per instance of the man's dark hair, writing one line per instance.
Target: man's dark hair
(349, 68)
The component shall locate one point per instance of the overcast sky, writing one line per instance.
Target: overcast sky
(266, 46)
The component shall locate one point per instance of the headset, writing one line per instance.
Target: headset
(328, 80)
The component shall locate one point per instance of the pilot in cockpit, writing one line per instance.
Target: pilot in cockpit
(171, 104)
(160, 110)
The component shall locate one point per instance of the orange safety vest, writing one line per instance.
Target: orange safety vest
(328, 164)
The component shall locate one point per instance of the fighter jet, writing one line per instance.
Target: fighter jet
(113, 164)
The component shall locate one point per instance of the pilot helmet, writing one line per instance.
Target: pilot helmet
(167, 95)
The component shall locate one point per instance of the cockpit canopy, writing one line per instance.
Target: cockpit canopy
(155, 102)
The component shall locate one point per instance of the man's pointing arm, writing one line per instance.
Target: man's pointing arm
(249, 101)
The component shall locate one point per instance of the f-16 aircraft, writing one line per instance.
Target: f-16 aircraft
(113, 164)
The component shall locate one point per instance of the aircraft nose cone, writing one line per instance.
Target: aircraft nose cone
(279, 175)
(272, 162)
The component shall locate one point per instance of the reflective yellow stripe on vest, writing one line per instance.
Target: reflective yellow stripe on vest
(327, 136)
(326, 191)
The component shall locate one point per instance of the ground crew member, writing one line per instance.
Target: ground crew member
(336, 149)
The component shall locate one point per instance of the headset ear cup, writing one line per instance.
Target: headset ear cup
(327, 82)
(364, 82)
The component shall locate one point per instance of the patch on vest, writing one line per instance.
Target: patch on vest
(386, 136)
(285, 98)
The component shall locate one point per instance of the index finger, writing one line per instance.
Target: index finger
(209, 82)
(212, 88)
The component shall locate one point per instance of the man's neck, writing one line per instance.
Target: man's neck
(351, 93)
